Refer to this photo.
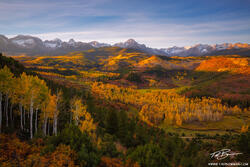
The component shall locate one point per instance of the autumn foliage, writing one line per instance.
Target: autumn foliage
(19, 153)
(116, 162)
(162, 106)
(220, 64)
(81, 117)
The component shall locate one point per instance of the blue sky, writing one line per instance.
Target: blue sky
(156, 23)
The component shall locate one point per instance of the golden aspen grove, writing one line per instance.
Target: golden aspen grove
(159, 106)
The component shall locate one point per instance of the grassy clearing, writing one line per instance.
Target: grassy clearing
(227, 123)
(190, 132)
(232, 123)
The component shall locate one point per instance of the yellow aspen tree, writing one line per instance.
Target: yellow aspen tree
(6, 85)
(244, 129)
(178, 119)
(77, 109)
(44, 113)
(50, 110)
(56, 111)
(41, 97)
(25, 90)
(81, 117)
(87, 124)
(34, 93)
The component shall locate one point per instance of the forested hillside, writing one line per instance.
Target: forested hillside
(104, 118)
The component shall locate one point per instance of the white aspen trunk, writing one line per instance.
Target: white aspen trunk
(1, 96)
(24, 118)
(11, 114)
(31, 117)
(48, 128)
(70, 117)
(6, 110)
(36, 120)
(55, 124)
(21, 111)
(56, 114)
(55, 118)
(76, 115)
(45, 125)
(71, 114)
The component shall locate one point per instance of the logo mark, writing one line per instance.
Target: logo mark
(222, 154)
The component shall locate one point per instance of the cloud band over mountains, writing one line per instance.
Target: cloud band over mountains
(157, 24)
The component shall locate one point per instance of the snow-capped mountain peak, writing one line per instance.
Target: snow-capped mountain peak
(174, 50)
(30, 44)
(23, 42)
(131, 42)
(72, 42)
(55, 43)
(57, 40)
(26, 41)
(50, 44)
(98, 44)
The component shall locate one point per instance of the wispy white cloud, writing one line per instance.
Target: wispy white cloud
(156, 35)
(16, 9)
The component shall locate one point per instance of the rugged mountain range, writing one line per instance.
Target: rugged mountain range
(34, 46)
(207, 50)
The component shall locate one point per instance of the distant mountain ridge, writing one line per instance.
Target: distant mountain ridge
(35, 46)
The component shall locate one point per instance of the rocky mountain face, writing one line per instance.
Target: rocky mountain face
(98, 45)
(32, 46)
(196, 50)
(131, 43)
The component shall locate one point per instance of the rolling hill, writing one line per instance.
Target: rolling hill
(226, 77)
